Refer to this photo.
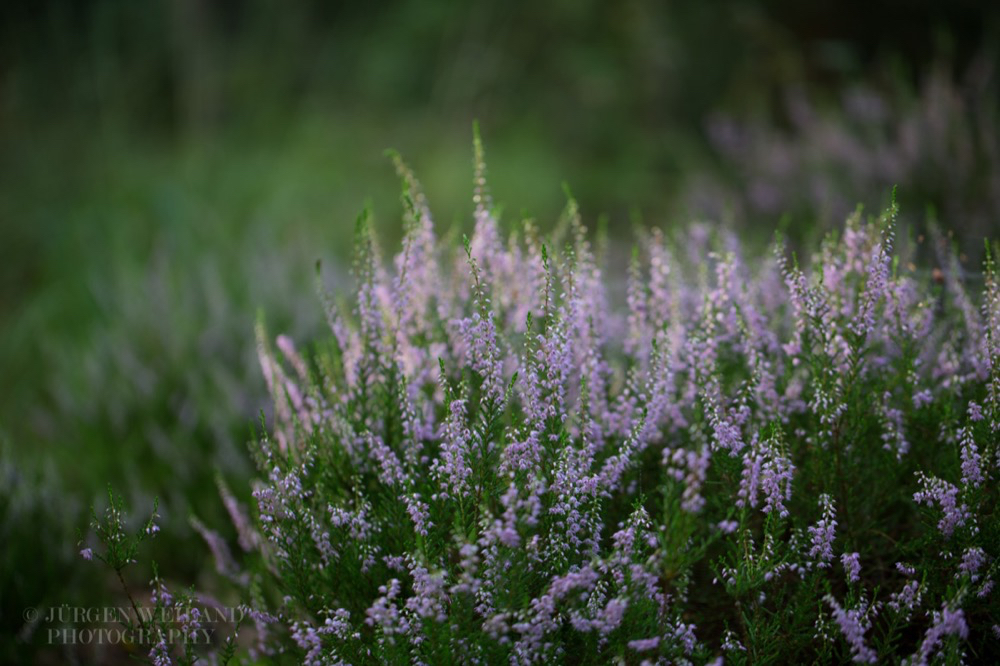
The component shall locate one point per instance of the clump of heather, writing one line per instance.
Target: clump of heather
(501, 457)
(937, 140)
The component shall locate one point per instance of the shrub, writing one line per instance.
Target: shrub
(938, 141)
(500, 456)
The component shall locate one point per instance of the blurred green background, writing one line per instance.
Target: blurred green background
(168, 168)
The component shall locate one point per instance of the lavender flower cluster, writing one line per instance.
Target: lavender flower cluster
(500, 457)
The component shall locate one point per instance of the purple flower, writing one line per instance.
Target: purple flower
(429, 598)
(946, 622)
(823, 533)
(190, 619)
(853, 625)
(160, 594)
(972, 473)
(87, 554)
(894, 432)
(390, 469)
(683, 634)
(727, 433)
(453, 466)
(922, 398)
(384, 613)
(973, 559)
(875, 288)
(419, 513)
(644, 644)
(728, 526)
(852, 566)
(945, 496)
(479, 331)
(160, 653)
(611, 617)
(768, 471)
(691, 467)
(907, 599)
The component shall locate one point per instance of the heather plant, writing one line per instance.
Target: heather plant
(176, 626)
(500, 457)
(938, 140)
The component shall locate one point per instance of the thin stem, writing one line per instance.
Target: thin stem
(135, 607)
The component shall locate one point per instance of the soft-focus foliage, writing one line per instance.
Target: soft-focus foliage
(939, 143)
